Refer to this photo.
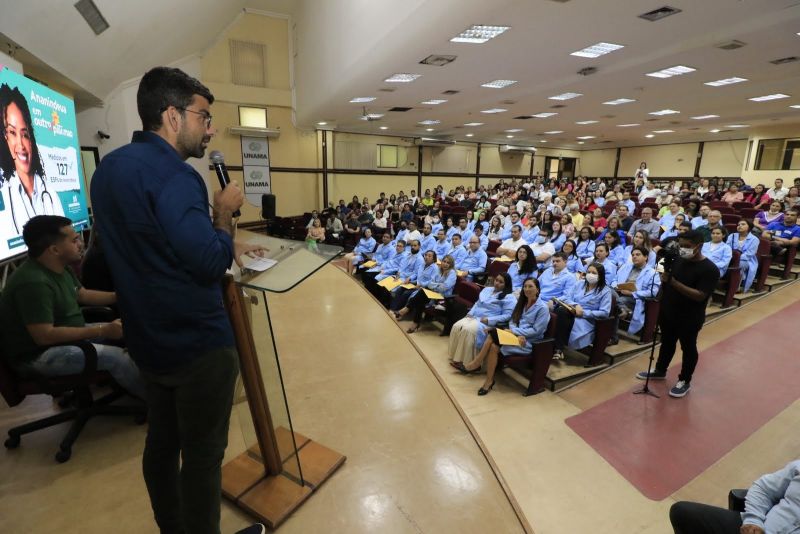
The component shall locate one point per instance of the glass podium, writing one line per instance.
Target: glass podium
(280, 467)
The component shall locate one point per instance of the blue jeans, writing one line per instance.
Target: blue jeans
(69, 360)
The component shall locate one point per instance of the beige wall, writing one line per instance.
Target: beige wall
(597, 162)
(344, 186)
(664, 161)
(768, 177)
(723, 158)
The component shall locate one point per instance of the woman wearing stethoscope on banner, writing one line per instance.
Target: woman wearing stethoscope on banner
(24, 188)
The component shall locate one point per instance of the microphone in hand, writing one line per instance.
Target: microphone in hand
(218, 161)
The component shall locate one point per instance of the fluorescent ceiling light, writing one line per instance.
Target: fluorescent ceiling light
(586, 122)
(553, 132)
(627, 125)
(509, 137)
(715, 130)
(664, 112)
(321, 123)
(362, 99)
(726, 81)
(619, 101)
(703, 117)
(796, 106)
(429, 129)
(470, 135)
(663, 131)
(479, 34)
(565, 96)
(513, 130)
(384, 127)
(402, 77)
(494, 110)
(371, 116)
(649, 136)
(473, 124)
(677, 70)
(434, 101)
(544, 115)
(597, 50)
(765, 98)
(542, 140)
(579, 142)
(498, 84)
(428, 122)
(585, 137)
(737, 126)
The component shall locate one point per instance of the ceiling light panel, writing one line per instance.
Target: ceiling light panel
(726, 81)
(767, 98)
(469, 135)
(479, 34)
(566, 96)
(619, 101)
(649, 136)
(553, 132)
(664, 112)
(371, 116)
(627, 125)
(402, 77)
(585, 137)
(715, 130)
(703, 117)
(428, 122)
(473, 124)
(544, 115)
(597, 50)
(498, 84)
(586, 122)
(362, 99)
(796, 106)
(434, 101)
(494, 110)
(384, 127)
(677, 70)
(737, 126)
(663, 131)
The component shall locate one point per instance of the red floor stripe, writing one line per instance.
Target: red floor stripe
(740, 384)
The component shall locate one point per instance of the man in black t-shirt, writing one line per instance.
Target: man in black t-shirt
(686, 291)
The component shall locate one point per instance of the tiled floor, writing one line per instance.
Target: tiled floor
(357, 385)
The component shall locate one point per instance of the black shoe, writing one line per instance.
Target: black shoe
(483, 391)
(256, 528)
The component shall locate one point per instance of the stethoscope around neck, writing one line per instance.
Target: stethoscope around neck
(45, 194)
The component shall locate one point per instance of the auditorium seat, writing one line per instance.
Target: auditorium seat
(764, 263)
(648, 331)
(603, 333)
(536, 364)
(748, 213)
(495, 268)
(732, 280)
(788, 258)
(742, 205)
(491, 249)
(726, 209)
(728, 218)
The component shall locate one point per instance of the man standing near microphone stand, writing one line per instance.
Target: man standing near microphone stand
(167, 257)
(686, 289)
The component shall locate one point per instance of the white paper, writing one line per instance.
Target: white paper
(258, 264)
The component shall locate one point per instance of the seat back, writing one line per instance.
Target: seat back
(748, 213)
(740, 205)
(468, 291)
(491, 248)
(764, 263)
(725, 209)
(728, 218)
(495, 268)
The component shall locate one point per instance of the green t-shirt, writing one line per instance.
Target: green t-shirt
(35, 294)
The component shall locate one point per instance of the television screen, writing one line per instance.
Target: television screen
(40, 169)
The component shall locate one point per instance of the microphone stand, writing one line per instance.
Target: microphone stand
(646, 388)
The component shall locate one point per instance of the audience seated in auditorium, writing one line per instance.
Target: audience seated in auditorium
(442, 283)
(746, 243)
(784, 234)
(718, 251)
(601, 256)
(365, 246)
(778, 192)
(509, 247)
(425, 273)
(41, 314)
(773, 214)
(646, 223)
(528, 323)
(474, 263)
(524, 267)
(640, 239)
(574, 263)
(631, 301)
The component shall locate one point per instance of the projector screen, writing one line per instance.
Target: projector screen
(40, 169)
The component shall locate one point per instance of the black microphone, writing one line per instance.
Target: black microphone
(218, 161)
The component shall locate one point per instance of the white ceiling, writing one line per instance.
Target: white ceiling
(345, 48)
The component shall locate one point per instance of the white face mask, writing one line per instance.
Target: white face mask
(686, 252)
(592, 278)
(541, 239)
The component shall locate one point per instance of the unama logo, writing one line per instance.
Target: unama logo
(254, 146)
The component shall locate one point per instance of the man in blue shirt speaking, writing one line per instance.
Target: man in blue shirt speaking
(167, 257)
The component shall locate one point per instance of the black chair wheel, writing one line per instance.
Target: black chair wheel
(12, 442)
(63, 455)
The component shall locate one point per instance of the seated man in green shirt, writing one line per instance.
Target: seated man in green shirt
(40, 306)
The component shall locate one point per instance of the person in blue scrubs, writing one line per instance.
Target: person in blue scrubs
(718, 251)
(647, 283)
(474, 263)
(365, 246)
(529, 322)
(523, 267)
(457, 250)
(574, 263)
(640, 239)
(746, 243)
(615, 250)
(442, 282)
(601, 256)
(425, 272)
(382, 254)
(590, 300)
(442, 245)
(585, 244)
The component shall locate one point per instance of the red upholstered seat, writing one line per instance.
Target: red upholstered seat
(535, 364)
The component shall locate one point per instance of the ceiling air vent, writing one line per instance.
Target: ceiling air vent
(651, 120)
(784, 60)
(400, 109)
(731, 45)
(587, 71)
(608, 117)
(511, 149)
(450, 92)
(434, 141)
(96, 21)
(248, 63)
(508, 102)
(524, 117)
(660, 13)
(438, 60)
(606, 141)
(558, 106)
(387, 89)
(675, 123)
(695, 128)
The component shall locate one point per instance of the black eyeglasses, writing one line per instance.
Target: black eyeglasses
(206, 116)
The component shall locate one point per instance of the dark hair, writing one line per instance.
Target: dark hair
(508, 285)
(643, 250)
(692, 236)
(529, 265)
(574, 249)
(43, 231)
(516, 315)
(162, 87)
(603, 245)
(601, 274)
(10, 96)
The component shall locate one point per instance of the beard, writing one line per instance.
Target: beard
(192, 145)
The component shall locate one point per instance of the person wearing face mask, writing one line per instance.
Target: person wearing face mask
(686, 291)
(543, 249)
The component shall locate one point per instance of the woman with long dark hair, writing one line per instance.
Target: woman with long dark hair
(528, 322)
(494, 305)
(524, 267)
(586, 302)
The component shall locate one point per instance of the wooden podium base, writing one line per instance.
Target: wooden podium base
(273, 498)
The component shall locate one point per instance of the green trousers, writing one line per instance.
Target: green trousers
(188, 415)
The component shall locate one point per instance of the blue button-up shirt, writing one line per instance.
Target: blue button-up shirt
(167, 260)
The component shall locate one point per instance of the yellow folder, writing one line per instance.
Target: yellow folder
(390, 283)
(409, 286)
(461, 274)
(368, 264)
(433, 294)
(507, 338)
